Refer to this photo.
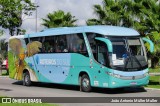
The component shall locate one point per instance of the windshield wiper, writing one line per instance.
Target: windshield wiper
(133, 62)
(127, 47)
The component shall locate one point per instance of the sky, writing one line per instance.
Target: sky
(81, 9)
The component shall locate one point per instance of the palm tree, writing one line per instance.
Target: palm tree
(142, 15)
(147, 16)
(148, 25)
(108, 14)
(3, 49)
(1, 53)
(155, 56)
(1, 33)
(98, 10)
(59, 19)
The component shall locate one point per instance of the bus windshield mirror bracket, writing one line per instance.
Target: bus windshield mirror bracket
(107, 41)
(150, 42)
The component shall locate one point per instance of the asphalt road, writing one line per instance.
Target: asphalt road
(13, 88)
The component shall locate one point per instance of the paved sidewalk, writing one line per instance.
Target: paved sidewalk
(154, 74)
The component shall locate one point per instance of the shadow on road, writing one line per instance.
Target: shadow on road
(18, 83)
(95, 90)
(3, 89)
(153, 82)
(119, 90)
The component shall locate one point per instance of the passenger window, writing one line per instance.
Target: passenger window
(61, 44)
(73, 43)
(26, 41)
(93, 45)
(76, 44)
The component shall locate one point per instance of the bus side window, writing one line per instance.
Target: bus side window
(61, 44)
(93, 43)
(76, 44)
(26, 41)
(103, 54)
(43, 49)
(48, 44)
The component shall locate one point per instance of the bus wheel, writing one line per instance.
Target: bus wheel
(85, 83)
(26, 79)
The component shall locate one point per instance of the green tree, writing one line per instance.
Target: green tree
(59, 19)
(147, 16)
(11, 12)
(3, 49)
(1, 43)
(148, 24)
(111, 13)
(142, 15)
(1, 32)
(155, 56)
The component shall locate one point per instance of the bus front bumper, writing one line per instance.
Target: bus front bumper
(118, 83)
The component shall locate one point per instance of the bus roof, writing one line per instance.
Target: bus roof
(102, 29)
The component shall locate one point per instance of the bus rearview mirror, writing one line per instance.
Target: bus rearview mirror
(150, 42)
(108, 42)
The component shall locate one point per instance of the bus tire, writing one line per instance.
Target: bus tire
(26, 79)
(85, 83)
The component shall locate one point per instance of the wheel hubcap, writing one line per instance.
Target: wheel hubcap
(85, 82)
(26, 78)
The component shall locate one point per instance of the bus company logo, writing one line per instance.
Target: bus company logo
(48, 61)
(6, 100)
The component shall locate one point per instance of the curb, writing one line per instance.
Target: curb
(154, 74)
(152, 89)
(145, 87)
(4, 76)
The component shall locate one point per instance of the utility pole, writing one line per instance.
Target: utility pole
(36, 18)
(36, 2)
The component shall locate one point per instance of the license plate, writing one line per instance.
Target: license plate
(133, 83)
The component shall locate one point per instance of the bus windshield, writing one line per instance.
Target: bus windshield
(128, 54)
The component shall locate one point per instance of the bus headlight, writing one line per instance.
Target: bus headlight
(146, 74)
(114, 75)
(109, 73)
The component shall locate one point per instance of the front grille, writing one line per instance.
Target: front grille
(132, 77)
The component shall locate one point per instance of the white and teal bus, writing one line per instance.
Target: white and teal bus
(88, 56)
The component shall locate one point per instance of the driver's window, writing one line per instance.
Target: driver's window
(99, 49)
(102, 53)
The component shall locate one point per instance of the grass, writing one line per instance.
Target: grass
(156, 70)
(154, 81)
